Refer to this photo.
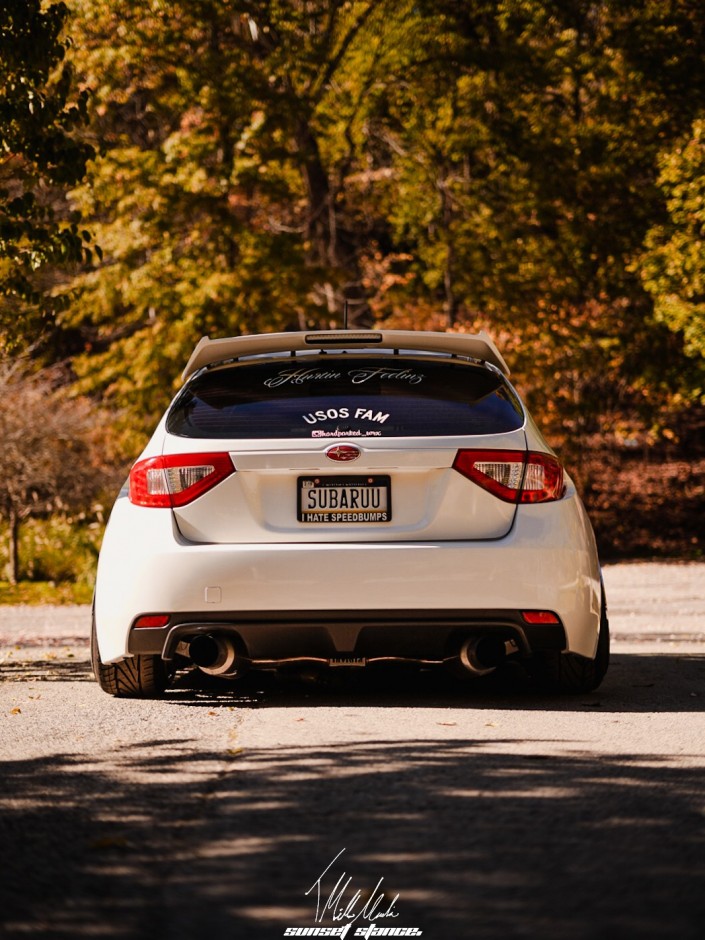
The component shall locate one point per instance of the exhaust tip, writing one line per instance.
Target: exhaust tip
(215, 655)
(481, 655)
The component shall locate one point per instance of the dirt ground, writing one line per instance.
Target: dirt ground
(644, 504)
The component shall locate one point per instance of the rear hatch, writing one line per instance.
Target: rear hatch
(345, 447)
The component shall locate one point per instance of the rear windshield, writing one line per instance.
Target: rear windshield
(338, 396)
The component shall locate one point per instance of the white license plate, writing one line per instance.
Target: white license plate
(345, 500)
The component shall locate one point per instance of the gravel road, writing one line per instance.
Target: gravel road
(491, 811)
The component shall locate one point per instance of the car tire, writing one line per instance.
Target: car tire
(135, 677)
(571, 674)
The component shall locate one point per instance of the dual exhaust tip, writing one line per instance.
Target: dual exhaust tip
(217, 655)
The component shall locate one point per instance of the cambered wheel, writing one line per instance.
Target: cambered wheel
(136, 677)
(573, 674)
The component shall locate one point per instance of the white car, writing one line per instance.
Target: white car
(341, 498)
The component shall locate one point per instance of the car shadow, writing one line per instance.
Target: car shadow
(635, 682)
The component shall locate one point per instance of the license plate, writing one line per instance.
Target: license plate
(344, 500)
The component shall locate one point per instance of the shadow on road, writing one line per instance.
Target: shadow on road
(478, 840)
(46, 670)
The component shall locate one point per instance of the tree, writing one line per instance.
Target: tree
(39, 158)
(464, 164)
(523, 143)
(53, 456)
(218, 199)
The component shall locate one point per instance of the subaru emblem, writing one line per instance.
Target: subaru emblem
(343, 452)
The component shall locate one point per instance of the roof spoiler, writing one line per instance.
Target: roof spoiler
(472, 345)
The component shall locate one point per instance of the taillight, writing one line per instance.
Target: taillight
(516, 476)
(177, 479)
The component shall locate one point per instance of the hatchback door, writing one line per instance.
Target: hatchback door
(345, 447)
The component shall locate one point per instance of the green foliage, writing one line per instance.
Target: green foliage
(39, 157)
(433, 162)
(37, 593)
(523, 143)
(532, 167)
(211, 199)
(58, 549)
(674, 267)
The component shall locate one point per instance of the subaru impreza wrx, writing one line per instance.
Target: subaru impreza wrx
(337, 499)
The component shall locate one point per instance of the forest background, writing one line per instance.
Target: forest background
(175, 168)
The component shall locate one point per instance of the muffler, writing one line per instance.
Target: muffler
(480, 655)
(215, 655)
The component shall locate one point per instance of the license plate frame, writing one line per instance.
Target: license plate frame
(353, 508)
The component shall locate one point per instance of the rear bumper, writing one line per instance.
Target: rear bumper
(414, 590)
(363, 634)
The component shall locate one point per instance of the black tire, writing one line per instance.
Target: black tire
(136, 677)
(571, 674)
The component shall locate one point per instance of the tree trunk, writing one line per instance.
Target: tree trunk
(320, 222)
(14, 546)
(451, 301)
(331, 245)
